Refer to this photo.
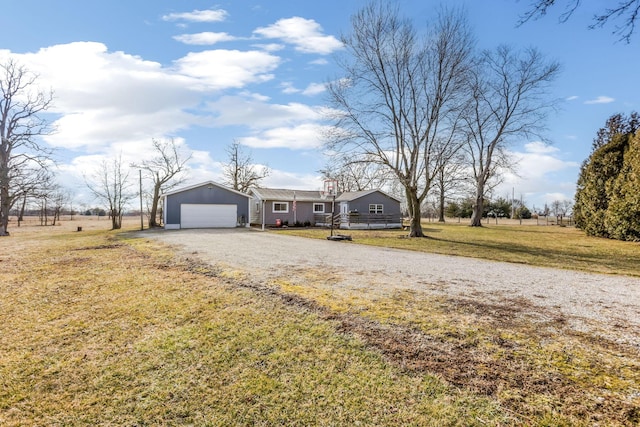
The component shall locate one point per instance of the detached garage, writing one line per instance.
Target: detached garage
(206, 205)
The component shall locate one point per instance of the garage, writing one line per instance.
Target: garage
(208, 216)
(205, 205)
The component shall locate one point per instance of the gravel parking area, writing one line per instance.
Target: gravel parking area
(601, 304)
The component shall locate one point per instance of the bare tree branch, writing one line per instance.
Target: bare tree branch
(508, 101)
(21, 152)
(626, 10)
(399, 101)
(240, 173)
(110, 185)
(166, 170)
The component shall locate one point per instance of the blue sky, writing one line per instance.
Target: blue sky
(206, 74)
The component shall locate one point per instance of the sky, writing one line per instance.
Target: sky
(254, 71)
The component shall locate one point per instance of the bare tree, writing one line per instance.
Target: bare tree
(508, 100)
(627, 10)
(58, 199)
(240, 172)
(357, 174)
(561, 208)
(31, 181)
(109, 185)
(166, 170)
(452, 178)
(50, 198)
(21, 105)
(399, 101)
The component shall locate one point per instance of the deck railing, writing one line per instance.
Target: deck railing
(348, 219)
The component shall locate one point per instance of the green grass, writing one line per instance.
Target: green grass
(547, 246)
(104, 328)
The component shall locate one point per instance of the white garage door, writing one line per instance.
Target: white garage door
(208, 216)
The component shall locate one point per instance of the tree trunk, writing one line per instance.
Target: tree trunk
(153, 222)
(413, 203)
(441, 208)
(116, 220)
(22, 208)
(478, 207)
(4, 213)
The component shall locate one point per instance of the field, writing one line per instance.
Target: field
(104, 328)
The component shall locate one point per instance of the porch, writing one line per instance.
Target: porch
(359, 221)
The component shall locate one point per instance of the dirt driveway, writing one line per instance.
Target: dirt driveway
(601, 304)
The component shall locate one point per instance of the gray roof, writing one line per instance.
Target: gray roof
(310, 196)
(202, 184)
(288, 195)
(348, 196)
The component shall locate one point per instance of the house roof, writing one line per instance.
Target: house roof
(310, 196)
(202, 184)
(288, 195)
(349, 196)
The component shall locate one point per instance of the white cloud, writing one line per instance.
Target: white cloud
(552, 197)
(311, 90)
(110, 96)
(305, 34)
(206, 38)
(269, 47)
(319, 61)
(301, 137)
(539, 147)
(293, 181)
(113, 96)
(600, 100)
(221, 69)
(239, 111)
(288, 88)
(211, 15)
(572, 98)
(314, 89)
(538, 167)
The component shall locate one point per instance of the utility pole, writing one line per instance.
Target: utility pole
(141, 213)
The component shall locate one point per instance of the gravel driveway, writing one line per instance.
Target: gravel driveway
(602, 304)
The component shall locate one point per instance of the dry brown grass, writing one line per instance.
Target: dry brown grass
(97, 329)
(101, 328)
(537, 367)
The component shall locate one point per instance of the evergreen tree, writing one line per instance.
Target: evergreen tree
(607, 201)
(595, 185)
(622, 219)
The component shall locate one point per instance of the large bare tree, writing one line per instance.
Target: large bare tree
(166, 170)
(110, 185)
(240, 173)
(21, 125)
(399, 100)
(509, 100)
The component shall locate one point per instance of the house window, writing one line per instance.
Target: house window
(376, 208)
(281, 207)
(318, 208)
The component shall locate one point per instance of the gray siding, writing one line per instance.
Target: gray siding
(361, 204)
(304, 212)
(204, 195)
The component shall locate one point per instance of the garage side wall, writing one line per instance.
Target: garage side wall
(203, 195)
